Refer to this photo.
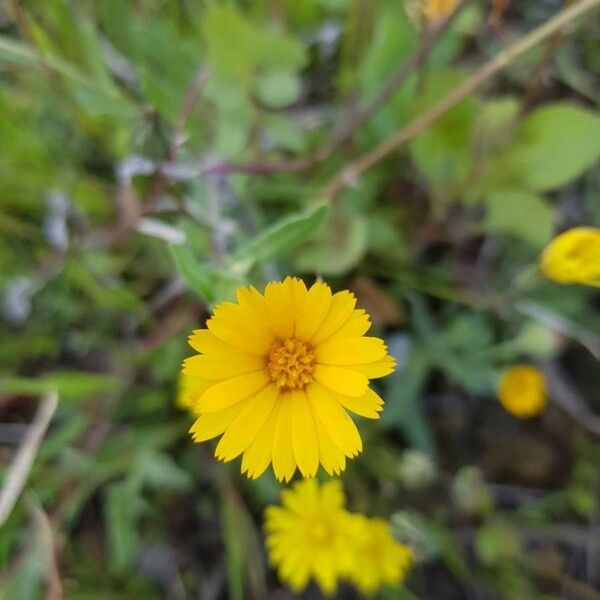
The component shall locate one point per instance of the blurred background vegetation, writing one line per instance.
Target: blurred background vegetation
(154, 154)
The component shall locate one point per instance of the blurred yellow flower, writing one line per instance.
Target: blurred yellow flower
(188, 388)
(278, 373)
(438, 10)
(573, 257)
(310, 536)
(379, 558)
(522, 391)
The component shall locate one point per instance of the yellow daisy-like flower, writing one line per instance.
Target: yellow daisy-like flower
(188, 388)
(310, 535)
(522, 391)
(379, 558)
(573, 257)
(438, 10)
(277, 374)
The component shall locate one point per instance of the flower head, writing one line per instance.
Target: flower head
(573, 257)
(522, 391)
(379, 558)
(438, 10)
(310, 535)
(277, 374)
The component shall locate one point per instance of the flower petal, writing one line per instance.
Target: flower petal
(228, 392)
(377, 369)
(357, 324)
(342, 305)
(313, 311)
(259, 453)
(244, 429)
(211, 366)
(284, 461)
(331, 457)
(238, 326)
(280, 308)
(344, 381)
(338, 424)
(350, 351)
(304, 435)
(205, 342)
(369, 405)
(211, 425)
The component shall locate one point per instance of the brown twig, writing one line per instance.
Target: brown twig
(350, 174)
(397, 78)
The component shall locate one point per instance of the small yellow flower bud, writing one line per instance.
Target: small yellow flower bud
(522, 391)
(573, 257)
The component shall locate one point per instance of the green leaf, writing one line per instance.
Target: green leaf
(277, 89)
(338, 248)
(281, 237)
(520, 214)
(443, 152)
(555, 145)
(160, 471)
(261, 48)
(71, 385)
(121, 511)
(211, 284)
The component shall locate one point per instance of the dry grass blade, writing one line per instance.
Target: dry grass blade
(18, 472)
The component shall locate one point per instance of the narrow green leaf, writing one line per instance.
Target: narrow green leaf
(281, 237)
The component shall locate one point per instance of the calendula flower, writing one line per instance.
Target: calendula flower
(279, 372)
(522, 391)
(310, 536)
(438, 10)
(573, 257)
(379, 558)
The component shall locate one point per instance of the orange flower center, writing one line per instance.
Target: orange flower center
(290, 364)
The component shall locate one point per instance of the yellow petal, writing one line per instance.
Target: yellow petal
(344, 381)
(369, 405)
(238, 326)
(358, 324)
(211, 425)
(313, 311)
(350, 351)
(284, 461)
(213, 366)
(205, 342)
(342, 305)
(331, 457)
(259, 453)
(305, 443)
(280, 308)
(228, 392)
(244, 429)
(381, 368)
(338, 424)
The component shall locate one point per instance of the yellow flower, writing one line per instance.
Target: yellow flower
(279, 371)
(188, 388)
(438, 10)
(522, 391)
(310, 535)
(379, 558)
(573, 257)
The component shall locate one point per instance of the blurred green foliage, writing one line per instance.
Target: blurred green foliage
(151, 160)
